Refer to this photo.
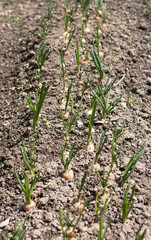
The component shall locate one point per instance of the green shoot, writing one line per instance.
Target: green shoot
(104, 179)
(70, 225)
(128, 204)
(85, 50)
(42, 55)
(19, 232)
(90, 122)
(68, 19)
(105, 12)
(71, 33)
(104, 101)
(71, 116)
(82, 184)
(97, 32)
(37, 105)
(68, 97)
(84, 7)
(140, 236)
(31, 160)
(66, 5)
(43, 32)
(100, 217)
(28, 188)
(51, 9)
(38, 76)
(138, 103)
(97, 63)
(72, 152)
(132, 164)
(63, 67)
(103, 140)
(77, 56)
(98, 6)
(117, 134)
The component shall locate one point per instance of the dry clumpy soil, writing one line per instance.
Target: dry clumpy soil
(128, 28)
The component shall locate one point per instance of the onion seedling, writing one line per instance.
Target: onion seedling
(50, 11)
(68, 19)
(19, 232)
(77, 56)
(66, 5)
(68, 229)
(97, 7)
(97, 63)
(85, 7)
(31, 160)
(63, 67)
(43, 32)
(103, 140)
(117, 134)
(71, 33)
(37, 105)
(85, 52)
(104, 101)
(128, 204)
(97, 32)
(90, 145)
(132, 164)
(42, 55)
(115, 154)
(100, 217)
(101, 235)
(71, 118)
(105, 12)
(65, 160)
(78, 202)
(28, 189)
(138, 103)
(140, 236)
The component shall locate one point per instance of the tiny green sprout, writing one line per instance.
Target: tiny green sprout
(63, 67)
(101, 235)
(43, 32)
(31, 160)
(28, 189)
(71, 34)
(129, 169)
(37, 105)
(19, 232)
(68, 228)
(68, 19)
(104, 100)
(85, 7)
(85, 50)
(90, 124)
(97, 63)
(71, 117)
(103, 140)
(117, 134)
(140, 236)
(42, 55)
(100, 217)
(50, 11)
(82, 184)
(97, 33)
(66, 158)
(128, 102)
(77, 56)
(128, 204)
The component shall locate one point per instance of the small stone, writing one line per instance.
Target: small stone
(80, 124)
(140, 167)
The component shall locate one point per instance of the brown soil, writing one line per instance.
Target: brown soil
(128, 28)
